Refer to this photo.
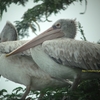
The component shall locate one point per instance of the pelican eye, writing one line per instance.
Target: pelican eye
(58, 25)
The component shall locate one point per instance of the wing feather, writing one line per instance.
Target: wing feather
(7, 47)
(80, 54)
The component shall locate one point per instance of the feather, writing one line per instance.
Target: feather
(74, 53)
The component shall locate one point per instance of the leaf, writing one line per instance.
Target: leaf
(3, 91)
(18, 89)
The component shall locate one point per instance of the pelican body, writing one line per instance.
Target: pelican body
(58, 54)
(21, 68)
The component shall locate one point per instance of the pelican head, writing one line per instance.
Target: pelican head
(61, 28)
(67, 26)
(8, 33)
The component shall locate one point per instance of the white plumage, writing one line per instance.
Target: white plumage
(65, 57)
(61, 58)
(22, 69)
(8, 33)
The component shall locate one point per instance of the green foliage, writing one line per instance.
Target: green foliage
(87, 90)
(22, 28)
(81, 31)
(38, 13)
(16, 93)
(6, 3)
(90, 89)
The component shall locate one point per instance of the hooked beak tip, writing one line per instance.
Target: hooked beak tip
(7, 55)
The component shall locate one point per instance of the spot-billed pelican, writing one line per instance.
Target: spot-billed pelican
(22, 69)
(64, 57)
(9, 33)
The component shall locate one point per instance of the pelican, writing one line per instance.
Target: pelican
(23, 70)
(56, 52)
(8, 33)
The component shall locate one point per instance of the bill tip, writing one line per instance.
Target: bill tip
(7, 55)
